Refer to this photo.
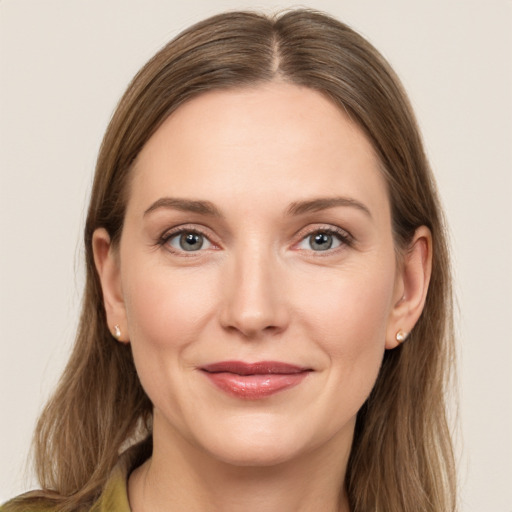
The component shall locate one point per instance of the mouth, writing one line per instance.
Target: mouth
(253, 381)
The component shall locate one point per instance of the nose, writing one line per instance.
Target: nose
(254, 299)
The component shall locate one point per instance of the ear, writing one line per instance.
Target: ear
(106, 259)
(411, 286)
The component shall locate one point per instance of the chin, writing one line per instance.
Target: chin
(255, 454)
(258, 443)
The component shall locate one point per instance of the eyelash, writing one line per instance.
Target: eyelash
(344, 237)
(181, 230)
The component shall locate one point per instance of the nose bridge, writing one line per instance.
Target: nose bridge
(253, 302)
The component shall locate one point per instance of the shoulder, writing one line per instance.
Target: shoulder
(27, 503)
(113, 497)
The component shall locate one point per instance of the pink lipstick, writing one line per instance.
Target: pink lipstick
(253, 381)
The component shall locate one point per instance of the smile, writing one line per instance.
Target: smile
(253, 381)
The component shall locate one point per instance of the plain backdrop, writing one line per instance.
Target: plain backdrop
(64, 65)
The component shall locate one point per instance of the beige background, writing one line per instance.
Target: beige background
(65, 63)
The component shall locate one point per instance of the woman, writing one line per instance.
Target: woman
(267, 316)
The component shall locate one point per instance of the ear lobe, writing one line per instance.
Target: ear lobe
(107, 265)
(411, 287)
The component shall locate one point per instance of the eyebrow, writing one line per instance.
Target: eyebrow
(185, 205)
(295, 208)
(324, 203)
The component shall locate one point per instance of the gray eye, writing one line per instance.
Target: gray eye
(189, 241)
(320, 241)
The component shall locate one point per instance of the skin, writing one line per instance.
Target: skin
(257, 290)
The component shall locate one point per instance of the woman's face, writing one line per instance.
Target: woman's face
(257, 274)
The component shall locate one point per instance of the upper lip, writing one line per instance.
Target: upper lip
(258, 368)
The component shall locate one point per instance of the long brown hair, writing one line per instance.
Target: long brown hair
(401, 458)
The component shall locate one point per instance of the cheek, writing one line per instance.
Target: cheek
(165, 308)
(348, 319)
(166, 312)
(352, 306)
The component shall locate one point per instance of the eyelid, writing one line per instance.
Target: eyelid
(346, 238)
(179, 230)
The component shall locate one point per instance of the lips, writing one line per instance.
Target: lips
(254, 381)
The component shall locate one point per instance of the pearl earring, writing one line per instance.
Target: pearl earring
(401, 336)
(117, 331)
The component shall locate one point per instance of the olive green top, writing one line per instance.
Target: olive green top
(114, 497)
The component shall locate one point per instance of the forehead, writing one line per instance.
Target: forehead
(276, 138)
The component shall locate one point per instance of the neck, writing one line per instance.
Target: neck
(180, 476)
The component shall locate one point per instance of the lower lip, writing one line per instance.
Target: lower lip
(254, 387)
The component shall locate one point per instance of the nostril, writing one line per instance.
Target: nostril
(253, 304)
(254, 327)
